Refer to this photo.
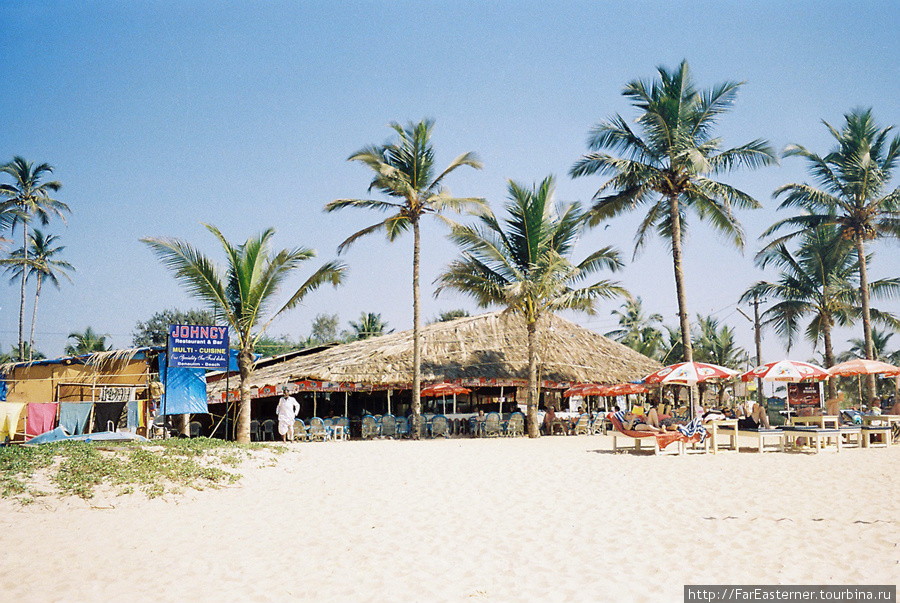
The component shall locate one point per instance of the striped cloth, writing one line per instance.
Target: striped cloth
(620, 415)
(692, 428)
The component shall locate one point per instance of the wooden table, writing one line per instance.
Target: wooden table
(726, 425)
(876, 420)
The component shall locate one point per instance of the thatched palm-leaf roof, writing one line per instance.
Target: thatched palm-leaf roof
(491, 346)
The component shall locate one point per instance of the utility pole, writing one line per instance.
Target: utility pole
(757, 337)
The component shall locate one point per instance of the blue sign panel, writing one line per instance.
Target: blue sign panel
(196, 346)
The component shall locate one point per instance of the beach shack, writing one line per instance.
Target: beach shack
(487, 353)
(83, 394)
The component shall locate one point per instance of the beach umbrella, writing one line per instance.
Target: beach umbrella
(689, 373)
(443, 390)
(861, 366)
(587, 389)
(792, 371)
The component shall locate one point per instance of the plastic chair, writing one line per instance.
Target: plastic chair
(583, 425)
(267, 430)
(195, 429)
(254, 430)
(369, 427)
(317, 429)
(492, 425)
(440, 427)
(402, 427)
(417, 426)
(300, 432)
(516, 425)
(388, 426)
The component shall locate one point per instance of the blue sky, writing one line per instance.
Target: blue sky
(161, 115)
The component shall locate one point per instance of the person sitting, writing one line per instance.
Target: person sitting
(895, 409)
(875, 406)
(754, 417)
(633, 422)
(833, 405)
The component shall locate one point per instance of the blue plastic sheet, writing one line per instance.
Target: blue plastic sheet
(185, 389)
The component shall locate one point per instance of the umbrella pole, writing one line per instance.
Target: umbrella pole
(444, 400)
(501, 399)
(454, 403)
(388, 401)
(314, 405)
(346, 410)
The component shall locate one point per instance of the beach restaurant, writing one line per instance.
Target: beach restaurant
(487, 354)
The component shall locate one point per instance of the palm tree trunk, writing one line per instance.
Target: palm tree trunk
(22, 299)
(829, 356)
(37, 294)
(417, 328)
(245, 367)
(532, 399)
(867, 316)
(679, 280)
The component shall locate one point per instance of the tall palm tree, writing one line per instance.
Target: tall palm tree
(523, 264)
(819, 281)
(637, 330)
(42, 266)
(852, 193)
(369, 325)
(669, 166)
(86, 342)
(32, 199)
(405, 170)
(243, 291)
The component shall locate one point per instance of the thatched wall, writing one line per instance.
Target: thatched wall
(492, 346)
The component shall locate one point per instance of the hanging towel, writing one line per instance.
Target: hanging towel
(10, 412)
(73, 416)
(107, 415)
(41, 418)
(133, 421)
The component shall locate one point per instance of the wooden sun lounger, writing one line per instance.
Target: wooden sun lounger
(650, 440)
(868, 431)
(762, 434)
(816, 434)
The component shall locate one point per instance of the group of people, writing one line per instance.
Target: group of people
(749, 415)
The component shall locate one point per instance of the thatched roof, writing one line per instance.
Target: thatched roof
(490, 346)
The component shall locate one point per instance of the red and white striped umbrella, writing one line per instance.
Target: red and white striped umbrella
(786, 370)
(861, 366)
(689, 373)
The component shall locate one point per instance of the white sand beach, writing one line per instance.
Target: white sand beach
(553, 519)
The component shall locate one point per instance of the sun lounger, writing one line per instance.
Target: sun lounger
(881, 432)
(659, 441)
(851, 435)
(762, 434)
(814, 434)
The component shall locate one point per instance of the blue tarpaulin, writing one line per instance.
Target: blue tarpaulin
(185, 389)
(2, 388)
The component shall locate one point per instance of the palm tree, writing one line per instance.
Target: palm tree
(637, 330)
(819, 281)
(524, 264)
(853, 195)
(31, 198)
(42, 266)
(668, 167)
(714, 343)
(244, 291)
(86, 342)
(405, 170)
(369, 325)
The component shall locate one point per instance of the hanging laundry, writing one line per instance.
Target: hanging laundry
(10, 413)
(107, 415)
(73, 416)
(41, 418)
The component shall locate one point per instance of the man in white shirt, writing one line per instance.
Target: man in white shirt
(287, 410)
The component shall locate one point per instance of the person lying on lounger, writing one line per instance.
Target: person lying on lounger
(633, 422)
(753, 418)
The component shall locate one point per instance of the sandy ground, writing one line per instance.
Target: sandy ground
(554, 519)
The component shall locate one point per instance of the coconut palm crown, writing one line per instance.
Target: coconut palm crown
(405, 172)
(852, 192)
(668, 167)
(30, 195)
(244, 291)
(523, 264)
